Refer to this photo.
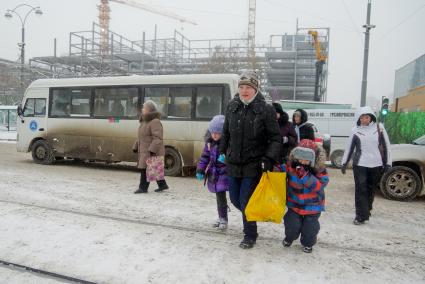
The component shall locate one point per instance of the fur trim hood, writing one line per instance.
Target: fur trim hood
(150, 116)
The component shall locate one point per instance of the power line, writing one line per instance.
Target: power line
(384, 35)
(352, 20)
(339, 26)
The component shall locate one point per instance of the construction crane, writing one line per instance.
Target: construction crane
(104, 17)
(320, 61)
(251, 28)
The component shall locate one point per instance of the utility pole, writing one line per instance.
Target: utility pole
(368, 27)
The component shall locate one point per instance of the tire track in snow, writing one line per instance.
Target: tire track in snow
(206, 231)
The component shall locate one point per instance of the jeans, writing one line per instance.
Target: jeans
(240, 192)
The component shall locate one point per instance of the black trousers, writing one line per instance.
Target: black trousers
(307, 226)
(366, 181)
(144, 184)
(221, 205)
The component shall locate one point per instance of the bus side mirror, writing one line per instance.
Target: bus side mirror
(20, 113)
(20, 110)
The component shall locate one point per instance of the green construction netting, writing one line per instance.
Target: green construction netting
(405, 127)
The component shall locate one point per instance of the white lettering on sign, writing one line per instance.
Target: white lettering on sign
(342, 114)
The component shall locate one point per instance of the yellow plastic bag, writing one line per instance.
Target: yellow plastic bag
(268, 202)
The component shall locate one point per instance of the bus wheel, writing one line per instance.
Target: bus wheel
(172, 162)
(42, 153)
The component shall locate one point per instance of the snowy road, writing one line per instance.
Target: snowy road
(83, 221)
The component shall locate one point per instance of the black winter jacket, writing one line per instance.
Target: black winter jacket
(250, 132)
(306, 130)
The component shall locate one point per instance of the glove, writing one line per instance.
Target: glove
(386, 168)
(266, 164)
(343, 168)
(152, 154)
(285, 139)
(221, 158)
(134, 150)
(301, 171)
(199, 176)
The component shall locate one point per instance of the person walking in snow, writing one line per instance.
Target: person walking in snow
(214, 171)
(149, 143)
(250, 143)
(287, 131)
(306, 182)
(369, 147)
(303, 128)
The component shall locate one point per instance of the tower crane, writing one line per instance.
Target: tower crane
(104, 17)
(251, 27)
(320, 61)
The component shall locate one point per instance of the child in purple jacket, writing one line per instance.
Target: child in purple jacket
(214, 171)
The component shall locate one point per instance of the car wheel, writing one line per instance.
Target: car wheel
(336, 158)
(400, 183)
(42, 152)
(172, 162)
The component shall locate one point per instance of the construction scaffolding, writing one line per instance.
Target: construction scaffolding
(286, 65)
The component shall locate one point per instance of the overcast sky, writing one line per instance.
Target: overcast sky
(399, 36)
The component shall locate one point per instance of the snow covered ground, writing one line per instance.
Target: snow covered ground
(83, 221)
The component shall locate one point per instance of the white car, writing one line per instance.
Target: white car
(406, 179)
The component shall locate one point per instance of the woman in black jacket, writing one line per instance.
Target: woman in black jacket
(303, 128)
(251, 142)
(287, 131)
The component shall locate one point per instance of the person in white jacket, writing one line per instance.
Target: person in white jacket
(369, 147)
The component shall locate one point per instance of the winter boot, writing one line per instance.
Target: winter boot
(358, 222)
(286, 243)
(222, 224)
(247, 243)
(141, 190)
(222, 220)
(162, 185)
(216, 224)
(308, 249)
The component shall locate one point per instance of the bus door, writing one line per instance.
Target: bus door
(116, 111)
(32, 123)
(70, 124)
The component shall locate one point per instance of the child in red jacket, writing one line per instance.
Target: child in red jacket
(306, 181)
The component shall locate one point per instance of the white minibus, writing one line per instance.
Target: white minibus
(96, 119)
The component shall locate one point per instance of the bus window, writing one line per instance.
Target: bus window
(70, 102)
(208, 101)
(40, 107)
(180, 103)
(160, 97)
(80, 102)
(29, 107)
(117, 102)
(35, 107)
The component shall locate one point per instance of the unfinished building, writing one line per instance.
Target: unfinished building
(286, 65)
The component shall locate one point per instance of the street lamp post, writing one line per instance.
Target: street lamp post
(9, 14)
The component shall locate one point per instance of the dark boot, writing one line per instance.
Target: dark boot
(144, 184)
(162, 185)
(247, 243)
(141, 190)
